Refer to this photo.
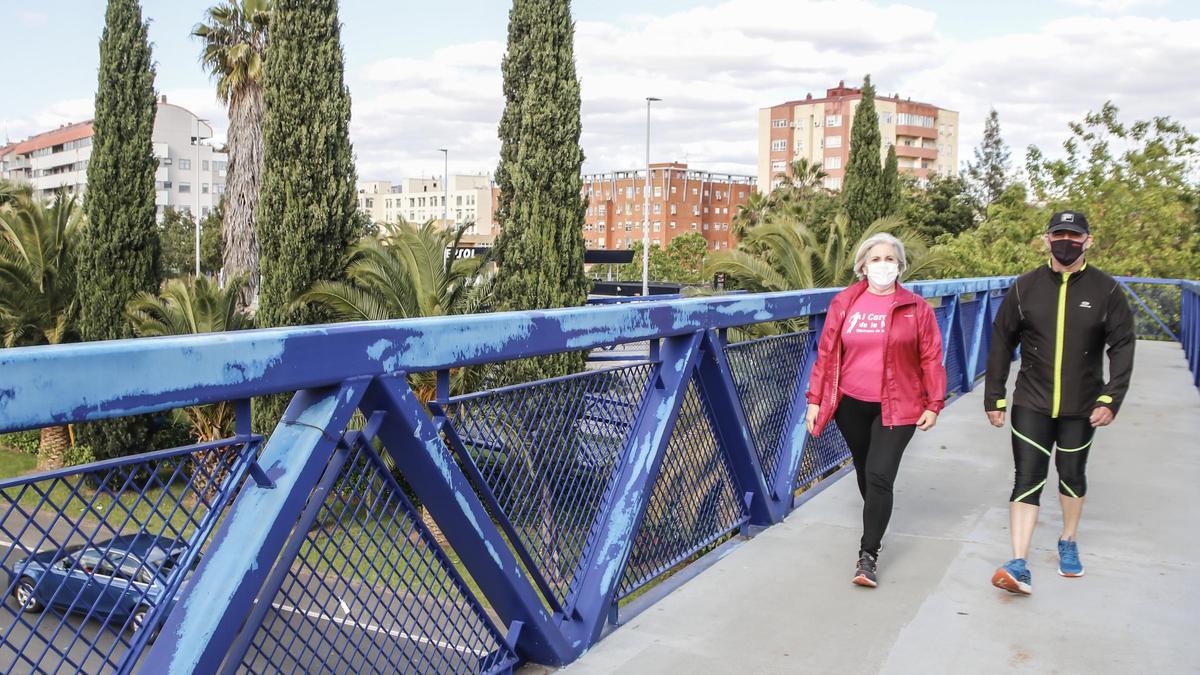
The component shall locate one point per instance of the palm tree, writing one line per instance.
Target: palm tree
(235, 44)
(10, 191)
(751, 213)
(189, 306)
(789, 256)
(404, 272)
(806, 176)
(38, 305)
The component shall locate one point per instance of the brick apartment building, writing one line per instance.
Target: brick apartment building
(682, 200)
(819, 129)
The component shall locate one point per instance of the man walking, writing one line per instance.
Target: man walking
(1062, 316)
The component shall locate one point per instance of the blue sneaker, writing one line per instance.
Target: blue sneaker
(1068, 559)
(1014, 577)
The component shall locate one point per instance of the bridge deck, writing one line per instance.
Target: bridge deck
(783, 602)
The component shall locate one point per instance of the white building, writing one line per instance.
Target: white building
(190, 175)
(469, 200)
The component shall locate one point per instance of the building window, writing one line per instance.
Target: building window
(220, 188)
(672, 224)
(672, 189)
(658, 208)
(204, 165)
(779, 124)
(914, 120)
(185, 164)
(599, 227)
(657, 226)
(693, 225)
(185, 188)
(779, 145)
(674, 209)
(459, 198)
(833, 142)
(204, 188)
(833, 120)
(833, 182)
(833, 162)
(741, 194)
(657, 190)
(885, 118)
(603, 209)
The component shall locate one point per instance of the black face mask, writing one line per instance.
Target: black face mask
(1066, 251)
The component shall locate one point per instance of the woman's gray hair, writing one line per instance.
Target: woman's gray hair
(881, 238)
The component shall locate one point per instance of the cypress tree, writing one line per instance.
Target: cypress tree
(988, 174)
(119, 255)
(889, 184)
(306, 214)
(862, 195)
(540, 247)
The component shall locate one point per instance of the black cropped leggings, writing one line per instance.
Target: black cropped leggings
(876, 451)
(1033, 436)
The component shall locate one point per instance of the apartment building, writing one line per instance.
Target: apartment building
(682, 200)
(190, 175)
(420, 199)
(819, 129)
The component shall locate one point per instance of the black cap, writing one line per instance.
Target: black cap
(1073, 221)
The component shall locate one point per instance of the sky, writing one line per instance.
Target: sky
(426, 75)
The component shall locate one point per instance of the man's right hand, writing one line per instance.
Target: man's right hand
(996, 417)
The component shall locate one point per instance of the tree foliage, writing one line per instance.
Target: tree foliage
(989, 174)
(943, 206)
(38, 246)
(119, 255)
(539, 250)
(307, 213)
(177, 232)
(682, 261)
(234, 36)
(863, 197)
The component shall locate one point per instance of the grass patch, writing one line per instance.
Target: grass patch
(14, 463)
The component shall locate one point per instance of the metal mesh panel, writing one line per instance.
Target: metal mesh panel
(370, 592)
(547, 452)
(969, 310)
(766, 374)
(95, 554)
(954, 359)
(1165, 303)
(696, 499)
(822, 454)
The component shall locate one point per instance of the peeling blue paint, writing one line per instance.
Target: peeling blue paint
(466, 509)
(211, 592)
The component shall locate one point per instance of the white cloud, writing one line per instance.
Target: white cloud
(1114, 6)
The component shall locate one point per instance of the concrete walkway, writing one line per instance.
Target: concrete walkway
(783, 602)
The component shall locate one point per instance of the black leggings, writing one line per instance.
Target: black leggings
(876, 450)
(1034, 434)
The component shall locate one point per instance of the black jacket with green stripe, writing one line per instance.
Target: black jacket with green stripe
(1062, 323)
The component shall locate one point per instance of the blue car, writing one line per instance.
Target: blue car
(115, 580)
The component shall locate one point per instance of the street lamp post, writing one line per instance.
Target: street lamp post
(646, 208)
(445, 188)
(196, 187)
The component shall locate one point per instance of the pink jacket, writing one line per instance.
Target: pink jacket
(914, 378)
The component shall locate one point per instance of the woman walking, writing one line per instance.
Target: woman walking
(879, 375)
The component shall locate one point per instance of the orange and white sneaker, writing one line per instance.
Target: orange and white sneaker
(1014, 577)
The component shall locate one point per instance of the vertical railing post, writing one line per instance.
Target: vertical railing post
(795, 435)
(949, 337)
(977, 341)
(208, 616)
(619, 521)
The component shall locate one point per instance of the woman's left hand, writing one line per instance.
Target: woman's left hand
(928, 419)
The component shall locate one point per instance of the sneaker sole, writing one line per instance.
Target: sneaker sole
(861, 580)
(1070, 575)
(1005, 581)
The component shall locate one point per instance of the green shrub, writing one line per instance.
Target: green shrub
(24, 441)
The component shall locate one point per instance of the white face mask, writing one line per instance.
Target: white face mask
(882, 274)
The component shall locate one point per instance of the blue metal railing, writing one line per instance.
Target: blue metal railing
(461, 534)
